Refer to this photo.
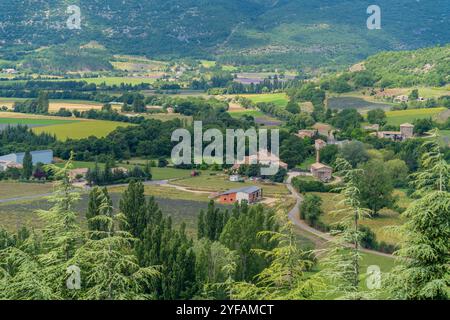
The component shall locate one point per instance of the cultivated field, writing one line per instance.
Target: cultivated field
(10, 190)
(378, 224)
(81, 129)
(409, 115)
(217, 183)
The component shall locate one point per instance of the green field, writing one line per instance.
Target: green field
(81, 129)
(398, 117)
(377, 224)
(217, 183)
(157, 173)
(35, 122)
(279, 99)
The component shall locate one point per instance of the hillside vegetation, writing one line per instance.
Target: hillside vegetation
(294, 32)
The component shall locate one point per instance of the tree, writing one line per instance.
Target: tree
(423, 258)
(210, 225)
(377, 116)
(310, 209)
(422, 126)
(27, 170)
(111, 271)
(398, 170)
(42, 103)
(354, 152)
(293, 107)
(98, 198)
(132, 205)
(375, 186)
(215, 266)
(284, 278)
(241, 235)
(343, 255)
(414, 95)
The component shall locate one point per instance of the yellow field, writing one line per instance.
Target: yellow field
(81, 129)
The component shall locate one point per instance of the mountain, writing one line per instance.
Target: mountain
(292, 32)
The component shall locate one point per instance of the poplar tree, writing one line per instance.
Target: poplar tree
(132, 205)
(423, 269)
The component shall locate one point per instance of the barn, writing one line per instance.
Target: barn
(249, 194)
(39, 156)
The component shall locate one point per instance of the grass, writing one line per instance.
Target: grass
(81, 129)
(398, 117)
(9, 190)
(279, 99)
(157, 173)
(35, 122)
(217, 183)
(305, 165)
(377, 224)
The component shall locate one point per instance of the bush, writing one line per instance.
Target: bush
(309, 185)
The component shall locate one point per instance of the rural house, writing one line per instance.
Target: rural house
(321, 171)
(250, 194)
(406, 132)
(264, 158)
(40, 156)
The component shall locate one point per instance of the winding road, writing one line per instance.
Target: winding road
(318, 237)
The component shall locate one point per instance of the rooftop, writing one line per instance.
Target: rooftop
(249, 189)
(319, 165)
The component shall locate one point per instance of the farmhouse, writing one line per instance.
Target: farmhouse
(264, 158)
(4, 165)
(236, 178)
(321, 171)
(302, 134)
(401, 98)
(249, 194)
(406, 132)
(40, 156)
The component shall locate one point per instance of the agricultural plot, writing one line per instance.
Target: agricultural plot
(81, 129)
(23, 213)
(279, 99)
(398, 117)
(360, 104)
(10, 190)
(378, 224)
(217, 183)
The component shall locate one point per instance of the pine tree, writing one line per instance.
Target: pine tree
(284, 278)
(27, 170)
(96, 197)
(423, 268)
(343, 255)
(111, 270)
(61, 232)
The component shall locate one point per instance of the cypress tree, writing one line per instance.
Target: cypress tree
(27, 170)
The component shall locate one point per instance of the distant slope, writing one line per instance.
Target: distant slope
(429, 66)
(295, 32)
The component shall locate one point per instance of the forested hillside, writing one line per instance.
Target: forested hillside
(294, 32)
